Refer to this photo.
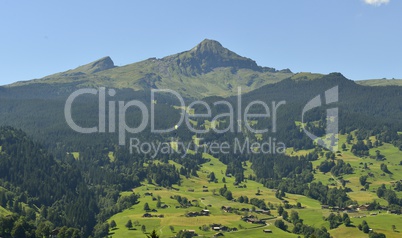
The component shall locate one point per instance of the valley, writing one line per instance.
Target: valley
(212, 162)
(311, 212)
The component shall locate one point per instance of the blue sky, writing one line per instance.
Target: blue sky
(360, 38)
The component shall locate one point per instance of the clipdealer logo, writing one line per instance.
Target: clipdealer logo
(330, 140)
(243, 119)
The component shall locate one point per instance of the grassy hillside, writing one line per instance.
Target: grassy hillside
(176, 216)
(380, 82)
(3, 211)
(156, 73)
(393, 158)
(306, 76)
(312, 213)
(208, 69)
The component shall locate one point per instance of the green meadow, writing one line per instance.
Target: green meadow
(205, 195)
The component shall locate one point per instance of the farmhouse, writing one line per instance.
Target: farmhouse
(261, 211)
(205, 212)
(246, 217)
(254, 221)
(226, 208)
(335, 209)
(192, 214)
(392, 212)
(363, 207)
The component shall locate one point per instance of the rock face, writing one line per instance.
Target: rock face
(100, 65)
(210, 54)
(208, 69)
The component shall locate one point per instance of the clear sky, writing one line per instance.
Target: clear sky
(360, 38)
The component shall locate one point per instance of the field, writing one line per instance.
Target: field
(204, 195)
(193, 188)
(213, 202)
(380, 82)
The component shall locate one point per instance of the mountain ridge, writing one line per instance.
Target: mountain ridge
(380, 82)
(101, 64)
(208, 69)
(210, 54)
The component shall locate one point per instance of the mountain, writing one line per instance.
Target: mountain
(380, 82)
(104, 63)
(209, 55)
(207, 69)
(76, 182)
(38, 108)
